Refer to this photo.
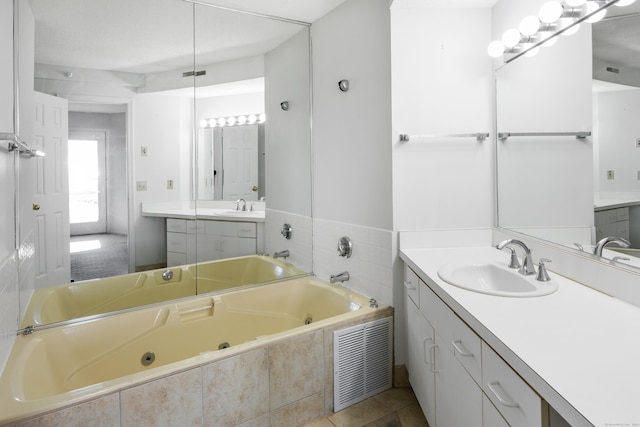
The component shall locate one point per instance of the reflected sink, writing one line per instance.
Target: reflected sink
(494, 279)
(237, 213)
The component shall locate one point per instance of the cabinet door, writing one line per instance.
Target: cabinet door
(420, 337)
(458, 398)
(237, 246)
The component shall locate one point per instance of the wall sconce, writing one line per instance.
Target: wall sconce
(554, 18)
(284, 105)
(343, 85)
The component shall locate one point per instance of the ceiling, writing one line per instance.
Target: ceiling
(148, 36)
(616, 39)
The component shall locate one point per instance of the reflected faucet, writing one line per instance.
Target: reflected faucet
(606, 241)
(342, 277)
(282, 254)
(527, 268)
(244, 205)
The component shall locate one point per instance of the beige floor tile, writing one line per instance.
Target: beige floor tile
(322, 422)
(390, 420)
(412, 416)
(359, 414)
(396, 398)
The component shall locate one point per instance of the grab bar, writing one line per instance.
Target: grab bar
(18, 144)
(194, 310)
(479, 136)
(579, 135)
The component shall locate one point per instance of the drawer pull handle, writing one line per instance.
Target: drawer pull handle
(460, 348)
(425, 351)
(409, 286)
(501, 395)
(432, 355)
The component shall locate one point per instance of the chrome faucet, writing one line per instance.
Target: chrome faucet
(281, 254)
(527, 267)
(244, 204)
(606, 241)
(341, 277)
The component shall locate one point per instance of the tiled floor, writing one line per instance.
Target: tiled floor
(396, 407)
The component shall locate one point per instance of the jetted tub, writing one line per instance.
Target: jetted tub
(91, 297)
(68, 364)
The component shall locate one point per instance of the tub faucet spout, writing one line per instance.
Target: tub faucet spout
(282, 254)
(342, 277)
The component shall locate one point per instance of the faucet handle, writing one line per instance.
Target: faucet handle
(543, 276)
(513, 260)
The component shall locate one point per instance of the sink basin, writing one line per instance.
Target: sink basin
(494, 279)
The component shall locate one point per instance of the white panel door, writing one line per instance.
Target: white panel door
(51, 197)
(240, 162)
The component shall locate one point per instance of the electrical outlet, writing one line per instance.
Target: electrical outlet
(610, 174)
(141, 185)
(169, 184)
(144, 151)
(637, 142)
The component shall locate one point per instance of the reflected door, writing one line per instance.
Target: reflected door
(240, 162)
(87, 205)
(50, 202)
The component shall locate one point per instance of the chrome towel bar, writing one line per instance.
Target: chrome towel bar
(578, 135)
(479, 136)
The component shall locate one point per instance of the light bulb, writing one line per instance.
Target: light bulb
(624, 2)
(550, 42)
(242, 120)
(529, 25)
(495, 49)
(252, 119)
(592, 7)
(550, 12)
(231, 121)
(575, 3)
(203, 123)
(532, 52)
(261, 118)
(222, 121)
(212, 123)
(511, 37)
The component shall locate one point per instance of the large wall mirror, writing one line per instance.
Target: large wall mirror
(150, 97)
(574, 179)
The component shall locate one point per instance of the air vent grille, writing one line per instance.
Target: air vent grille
(362, 362)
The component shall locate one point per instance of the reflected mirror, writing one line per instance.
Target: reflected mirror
(566, 189)
(140, 90)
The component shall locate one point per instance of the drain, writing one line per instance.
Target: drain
(308, 320)
(148, 358)
(223, 345)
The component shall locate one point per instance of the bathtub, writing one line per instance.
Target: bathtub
(76, 300)
(70, 364)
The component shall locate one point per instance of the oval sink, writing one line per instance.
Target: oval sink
(493, 279)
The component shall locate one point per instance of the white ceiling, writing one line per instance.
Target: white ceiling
(617, 41)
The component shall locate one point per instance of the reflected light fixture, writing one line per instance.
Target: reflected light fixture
(554, 18)
(248, 119)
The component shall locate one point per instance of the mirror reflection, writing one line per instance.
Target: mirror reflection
(158, 195)
(567, 190)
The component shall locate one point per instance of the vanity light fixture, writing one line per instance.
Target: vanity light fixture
(284, 105)
(249, 119)
(343, 85)
(554, 18)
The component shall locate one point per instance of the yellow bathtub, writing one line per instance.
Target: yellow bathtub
(88, 298)
(68, 364)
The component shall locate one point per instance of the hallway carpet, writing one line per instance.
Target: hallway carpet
(98, 255)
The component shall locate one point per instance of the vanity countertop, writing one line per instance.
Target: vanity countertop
(605, 204)
(578, 348)
(205, 213)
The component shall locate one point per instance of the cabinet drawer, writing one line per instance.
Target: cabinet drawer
(460, 340)
(177, 225)
(411, 285)
(490, 415)
(174, 259)
(622, 214)
(177, 242)
(230, 228)
(513, 398)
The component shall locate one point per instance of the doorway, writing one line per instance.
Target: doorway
(98, 199)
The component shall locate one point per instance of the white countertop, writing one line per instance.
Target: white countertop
(205, 213)
(578, 348)
(601, 204)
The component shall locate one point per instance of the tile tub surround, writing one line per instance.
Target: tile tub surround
(287, 381)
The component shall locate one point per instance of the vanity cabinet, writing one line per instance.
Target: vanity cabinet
(612, 222)
(190, 241)
(457, 378)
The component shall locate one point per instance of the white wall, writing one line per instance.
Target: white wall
(163, 124)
